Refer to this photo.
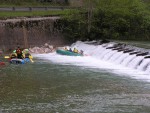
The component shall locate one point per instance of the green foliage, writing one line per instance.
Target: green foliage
(73, 27)
(10, 3)
(111, 19)
(14, 14)
(97, 19)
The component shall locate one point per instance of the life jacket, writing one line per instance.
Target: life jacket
(27, 55)
(75, 50)
(70, 50)
(13, 55)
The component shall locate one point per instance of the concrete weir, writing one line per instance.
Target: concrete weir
(30, 32)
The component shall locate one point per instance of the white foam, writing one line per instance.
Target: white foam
(91, 62)
(102, 58)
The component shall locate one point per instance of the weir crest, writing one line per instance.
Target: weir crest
(126, 55)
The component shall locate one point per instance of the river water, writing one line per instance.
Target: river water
(63, 84)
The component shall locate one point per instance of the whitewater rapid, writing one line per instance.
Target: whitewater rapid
(97, 56)
(90, 62)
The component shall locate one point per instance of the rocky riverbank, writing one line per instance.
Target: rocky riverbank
(46, 48)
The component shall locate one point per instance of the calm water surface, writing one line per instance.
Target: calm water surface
(48, 87)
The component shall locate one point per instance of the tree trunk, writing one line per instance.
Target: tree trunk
(90, 11)
(25, 36)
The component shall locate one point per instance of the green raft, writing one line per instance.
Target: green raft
(66, 52)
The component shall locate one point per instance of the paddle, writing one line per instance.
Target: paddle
(31, 57)
(6, 57)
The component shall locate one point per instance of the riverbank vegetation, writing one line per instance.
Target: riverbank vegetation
(111, 19)
(32, 3)
(95, 19)
(14, 14)
(60, 8)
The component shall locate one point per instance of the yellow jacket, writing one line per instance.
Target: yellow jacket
(13, 55)
(75, 50)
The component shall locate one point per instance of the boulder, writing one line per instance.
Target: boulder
(44, 49)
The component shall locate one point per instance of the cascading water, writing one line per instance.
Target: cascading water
(121, 58)
(103, 53)
(98, 50)
(143, 66)
(109, 55)
(136, 62)
(128, 60)
(148, 69)
(115, 56)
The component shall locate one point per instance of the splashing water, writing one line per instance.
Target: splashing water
(102, 58)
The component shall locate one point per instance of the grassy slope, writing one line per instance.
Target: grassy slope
(32, 3)
(28, 3)
(4, 15)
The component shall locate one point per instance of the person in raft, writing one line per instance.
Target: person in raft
(70, 50)
(19, 53)
(75, 50)
(26, 53)
(81, 52)
(66, 48)
(13, 54)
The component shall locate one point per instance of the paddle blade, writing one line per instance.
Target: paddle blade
(31, 60)
(6, 57)
(31, 57)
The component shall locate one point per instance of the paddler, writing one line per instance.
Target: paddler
(75, 50)
(13, 54)
(26, 53)
(19, 53)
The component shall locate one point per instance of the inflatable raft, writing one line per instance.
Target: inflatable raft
(19, 61)
(66, 52)
(2, 63)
